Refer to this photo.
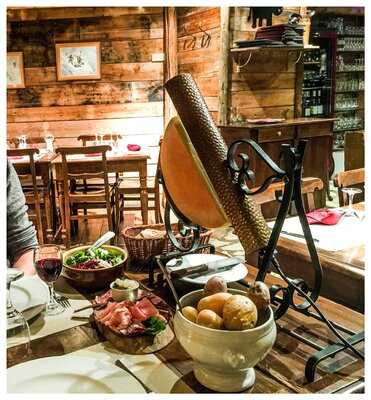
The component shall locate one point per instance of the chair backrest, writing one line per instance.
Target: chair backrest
(30, 141)
(84, 170)
(92, 138)
(354, 177)
(26, 172)
(308, 187)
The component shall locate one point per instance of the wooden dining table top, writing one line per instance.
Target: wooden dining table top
(281, 371)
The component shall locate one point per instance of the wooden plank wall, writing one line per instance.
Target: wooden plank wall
(201, 62)
(266, 86)
(127, 99)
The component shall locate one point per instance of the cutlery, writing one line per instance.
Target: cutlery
(119, 364)
(103, 239)
(63, 301)
(298, 235)
(213, 271)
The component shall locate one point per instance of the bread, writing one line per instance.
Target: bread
(239, 313)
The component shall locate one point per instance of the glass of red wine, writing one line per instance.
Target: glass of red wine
(48, 265)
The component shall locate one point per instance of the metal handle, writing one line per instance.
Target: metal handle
(279, 133)
(103, 239)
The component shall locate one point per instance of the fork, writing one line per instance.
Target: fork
(119, 364)
(63, 301)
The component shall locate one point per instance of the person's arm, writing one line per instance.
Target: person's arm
(21, 234)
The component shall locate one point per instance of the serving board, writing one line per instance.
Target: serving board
(142, 344)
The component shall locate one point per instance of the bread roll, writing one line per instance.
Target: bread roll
(209, 319)
(190, 313)
(239, 313)
(216, 284)
(215, 302)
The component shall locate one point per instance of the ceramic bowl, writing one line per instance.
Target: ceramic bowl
(93, 279)
(224, 360)
(124, 294)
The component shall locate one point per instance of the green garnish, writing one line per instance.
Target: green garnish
(154, 325)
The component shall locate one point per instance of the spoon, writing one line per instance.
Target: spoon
(103, 239)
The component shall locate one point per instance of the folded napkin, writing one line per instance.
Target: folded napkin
(133, 147)
(324, 216)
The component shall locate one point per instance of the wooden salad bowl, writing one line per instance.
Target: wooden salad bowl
(93, 279)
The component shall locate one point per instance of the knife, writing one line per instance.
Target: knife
(204, 268)
(298, 235)
(216, 267)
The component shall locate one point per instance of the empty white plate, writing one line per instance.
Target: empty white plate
(29, 296)
(70, 374)
(237, 273)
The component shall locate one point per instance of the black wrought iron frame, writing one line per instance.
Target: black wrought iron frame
(291, 173)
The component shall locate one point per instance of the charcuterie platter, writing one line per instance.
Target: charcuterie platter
(134, 327)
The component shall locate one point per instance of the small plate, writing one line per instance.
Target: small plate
(70, 374)
(237, 273)
(29, 296)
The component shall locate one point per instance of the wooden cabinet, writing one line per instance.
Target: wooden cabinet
(318, 133)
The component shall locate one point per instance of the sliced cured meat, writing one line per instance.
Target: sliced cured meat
(103, 298)
(100, 314)
(136, 328)
(143, 309)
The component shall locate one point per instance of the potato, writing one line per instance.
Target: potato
(209, 319)
(259, 294)
(215, 302)
(216, 284)
(239, 313)
(190, 313)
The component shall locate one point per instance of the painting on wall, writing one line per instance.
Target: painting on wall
(15, 70)
(77, 61)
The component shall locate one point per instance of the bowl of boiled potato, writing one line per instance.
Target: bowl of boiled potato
(226, 332)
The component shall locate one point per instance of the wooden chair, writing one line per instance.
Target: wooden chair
(74, 199)
(28, 179)
(308, 188)
(353, 178)
(129, 188)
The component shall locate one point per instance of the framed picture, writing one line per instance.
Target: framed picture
(15, 70)
(77, 61)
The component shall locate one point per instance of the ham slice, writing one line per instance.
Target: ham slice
(104, 298)
(143, 309)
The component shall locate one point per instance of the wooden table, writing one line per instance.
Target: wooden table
(115, 164)
(282, 371)
(43, 169)
(343, 271)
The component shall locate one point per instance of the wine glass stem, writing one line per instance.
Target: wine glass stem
(351, 195)
(52, 299)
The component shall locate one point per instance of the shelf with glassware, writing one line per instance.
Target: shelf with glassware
(316, 89)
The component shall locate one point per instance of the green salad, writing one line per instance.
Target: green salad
(94, 259)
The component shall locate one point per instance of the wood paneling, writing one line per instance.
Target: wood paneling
(202, 62)
(128, 97)
(265, 87)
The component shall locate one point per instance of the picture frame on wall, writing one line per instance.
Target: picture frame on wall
(78, 61)
(15, 70)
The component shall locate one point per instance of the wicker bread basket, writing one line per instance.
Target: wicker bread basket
(142, 250)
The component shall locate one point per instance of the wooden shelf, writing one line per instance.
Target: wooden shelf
(316, 87)
(311, 62)
(346, 130)
(350, 71)
(341, 35)
(349, 91)
(350, 51)
(349, 109)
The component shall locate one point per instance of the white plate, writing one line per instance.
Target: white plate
(29, 296)
(237, 273)
(70, 374)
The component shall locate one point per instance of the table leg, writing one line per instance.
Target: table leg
(48, 196)
(143, 192)
(62, 211)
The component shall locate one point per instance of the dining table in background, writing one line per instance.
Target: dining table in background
(116, 163)
(170, 370)
(343, 269)
(44, 170)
